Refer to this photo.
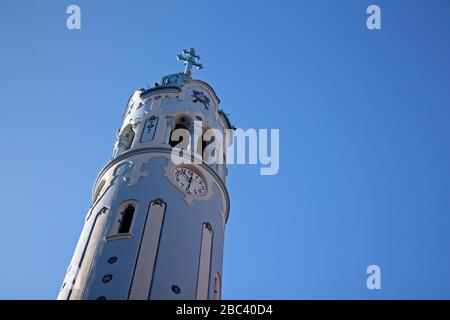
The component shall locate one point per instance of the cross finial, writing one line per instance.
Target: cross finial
(189, 57)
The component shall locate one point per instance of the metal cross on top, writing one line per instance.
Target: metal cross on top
(189, 57)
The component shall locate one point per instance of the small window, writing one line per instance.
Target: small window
(126, 219)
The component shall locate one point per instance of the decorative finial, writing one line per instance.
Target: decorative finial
(189, 57)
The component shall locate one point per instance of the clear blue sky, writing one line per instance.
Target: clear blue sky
(363, 117)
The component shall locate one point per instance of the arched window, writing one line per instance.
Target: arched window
(201, 144)
(126, 219)
(99, 189)
(180, 134)
(212, 146)
(208, 156)
(125, 139)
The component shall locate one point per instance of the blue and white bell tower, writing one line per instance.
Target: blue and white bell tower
(155, 229)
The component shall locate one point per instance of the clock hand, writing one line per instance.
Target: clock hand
(190, 180)
(187, 177)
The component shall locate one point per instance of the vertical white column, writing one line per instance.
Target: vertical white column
(170, 124)
(205, 262)
(142, 278)
(88, 257)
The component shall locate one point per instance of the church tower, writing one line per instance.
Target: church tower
(155, 229)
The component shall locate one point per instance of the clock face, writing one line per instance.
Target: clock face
(189, 181)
